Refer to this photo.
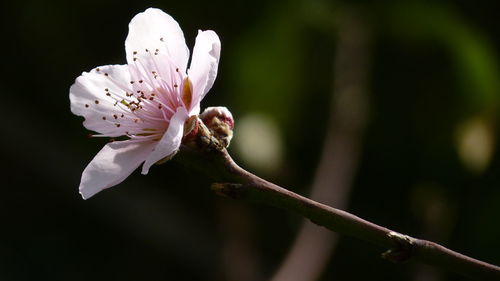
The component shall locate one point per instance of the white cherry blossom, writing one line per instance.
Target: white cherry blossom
(144, 103)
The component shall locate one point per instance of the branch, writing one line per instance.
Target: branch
(237, 183)
(339, 159)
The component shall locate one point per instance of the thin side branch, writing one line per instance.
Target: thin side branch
(237, 183)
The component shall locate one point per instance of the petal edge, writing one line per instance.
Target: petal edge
(204, 64)
(112, 164)
(154, 30)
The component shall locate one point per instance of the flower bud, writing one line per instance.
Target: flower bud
(220, 122)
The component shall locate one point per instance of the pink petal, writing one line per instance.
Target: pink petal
(204, 64)
(171, 140)
(95, 95)
(115, 162)
(157, 32)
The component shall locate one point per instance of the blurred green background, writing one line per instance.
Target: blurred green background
(428, 162)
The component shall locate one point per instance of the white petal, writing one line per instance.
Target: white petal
(94, 96)
(115, 162)
(171, 140)
(204, 64)
(157, 32)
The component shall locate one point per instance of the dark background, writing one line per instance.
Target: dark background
(433, 82)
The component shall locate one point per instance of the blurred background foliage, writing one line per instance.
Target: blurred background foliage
(429, 163)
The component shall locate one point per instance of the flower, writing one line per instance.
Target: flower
(145, 102)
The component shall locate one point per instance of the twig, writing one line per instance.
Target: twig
(237, 183)
(338, 163)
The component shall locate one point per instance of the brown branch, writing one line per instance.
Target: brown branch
(332, 183)
(237, 183)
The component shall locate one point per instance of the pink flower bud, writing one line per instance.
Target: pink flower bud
(220, 122)
(221, 112)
